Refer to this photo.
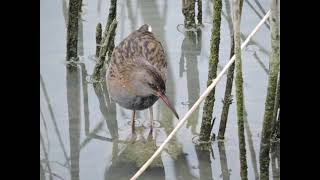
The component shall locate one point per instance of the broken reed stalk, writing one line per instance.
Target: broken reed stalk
(227, 94)
(111, 17)
(72, 30)
(103, 50)
(239, 89)
(188, 10)
(98, 38)
(199, 16)
(271, 91)
(213, 63)
(197, 103)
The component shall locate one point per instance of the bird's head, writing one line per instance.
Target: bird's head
(148, 81)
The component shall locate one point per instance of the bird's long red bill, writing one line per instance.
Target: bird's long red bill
(166, 100)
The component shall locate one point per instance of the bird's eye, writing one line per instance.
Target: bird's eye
(152, 85)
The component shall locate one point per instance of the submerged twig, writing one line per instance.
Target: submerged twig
(213, 63)
(271, 92)
(53, 118)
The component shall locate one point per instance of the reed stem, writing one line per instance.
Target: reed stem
(271, 92)
(72, 30)
(188, 10)
(239, 89)
(98, 38)
(111, 17)
(199, 16)
(103, 50)
(213, 64)
(227, 101)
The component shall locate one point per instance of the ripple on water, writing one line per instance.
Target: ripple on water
(182, 29)
(137, 123)
(156, 124)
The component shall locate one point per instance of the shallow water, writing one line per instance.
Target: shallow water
(84, 135)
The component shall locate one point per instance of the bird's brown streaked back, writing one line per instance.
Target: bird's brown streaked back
(140, 44)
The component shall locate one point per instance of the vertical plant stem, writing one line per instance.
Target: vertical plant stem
(111, 17)
(271, 92)
(98, 38)
(276, 104)
(227, 94)
(239, 89)
(213, 63)
(199, 17)
(188, 10)
(72, 32)
(103, 50)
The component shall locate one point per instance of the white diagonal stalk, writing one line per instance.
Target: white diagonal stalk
(197, 103)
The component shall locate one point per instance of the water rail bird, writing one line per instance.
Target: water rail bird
(137, 73)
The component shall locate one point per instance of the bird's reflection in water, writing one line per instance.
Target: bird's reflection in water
(127, 161)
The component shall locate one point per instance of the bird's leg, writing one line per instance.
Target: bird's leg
(151, 119)
(133, 121)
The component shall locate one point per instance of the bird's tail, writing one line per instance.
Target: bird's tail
(146, 27)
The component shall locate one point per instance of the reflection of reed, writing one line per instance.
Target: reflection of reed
(53, 118)
(260, 7)
(109, 113)
(45, 156)
(190, 49)
(260, 16)
(255, 43)
(73, 101)
(251, 147)
(99, 7)
(205, 169)
(275, 160)
(181, 167)
(260, 62)
(65, 12)
(45, 127)
(42, 175)
(132, 18)
(223, 161)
